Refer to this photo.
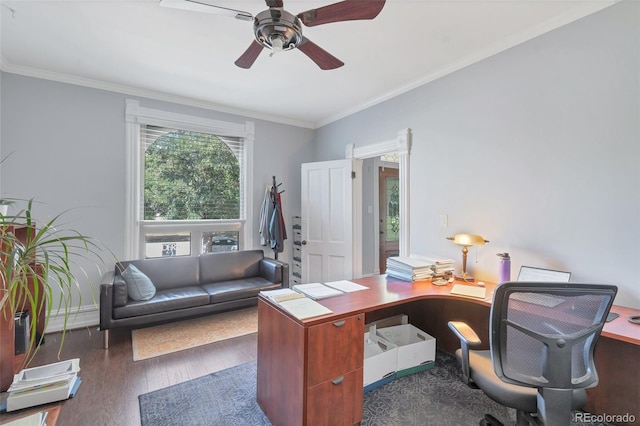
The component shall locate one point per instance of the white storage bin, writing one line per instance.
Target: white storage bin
(380, 360)
(388, 322)
(416, 349)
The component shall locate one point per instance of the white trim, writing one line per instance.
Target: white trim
(247, 229)
(85, 316)
(402, 145)
(131, 156)
(135, 115)
(143, 93)
(587, 8)
(376, 213)
(356, 230)
(404, 149)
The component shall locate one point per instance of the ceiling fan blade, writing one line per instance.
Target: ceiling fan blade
(274, 3)
(203, 6)
(249, 56)
(321, 57)
(348, 10)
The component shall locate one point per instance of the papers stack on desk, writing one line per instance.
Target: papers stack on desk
(409, 268)
(317, 290)
(296, 303)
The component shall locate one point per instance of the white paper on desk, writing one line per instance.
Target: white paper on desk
(317, 290)
(346, 286)
(467, 290)
(304, 308)
(281, 294)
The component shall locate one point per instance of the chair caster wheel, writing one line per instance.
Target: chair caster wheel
(489, 420)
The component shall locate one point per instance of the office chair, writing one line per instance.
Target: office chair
(542, 337)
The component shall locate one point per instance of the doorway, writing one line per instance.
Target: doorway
(402, 146)
(389, 214)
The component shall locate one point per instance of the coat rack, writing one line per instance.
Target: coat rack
(272, 227)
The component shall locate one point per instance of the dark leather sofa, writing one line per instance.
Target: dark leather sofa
(189, 286)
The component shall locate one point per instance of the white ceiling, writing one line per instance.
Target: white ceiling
(138, 47)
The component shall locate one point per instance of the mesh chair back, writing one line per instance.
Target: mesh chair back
(543, 334)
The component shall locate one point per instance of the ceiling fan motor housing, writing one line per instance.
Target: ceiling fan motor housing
(277, 29)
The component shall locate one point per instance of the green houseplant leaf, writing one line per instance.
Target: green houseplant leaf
(39, 262)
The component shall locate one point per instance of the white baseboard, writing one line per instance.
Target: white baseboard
(86, 316)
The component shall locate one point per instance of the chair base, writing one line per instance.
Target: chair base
(489, 420)
(522, 419)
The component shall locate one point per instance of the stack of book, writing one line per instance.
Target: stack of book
(409, 268)
(441, 266)
(45, 384)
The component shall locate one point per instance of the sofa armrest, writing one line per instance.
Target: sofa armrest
(275, 271)
(120, 295)
(106, 305)
(113, 293)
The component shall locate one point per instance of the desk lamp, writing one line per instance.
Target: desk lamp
(466, 241)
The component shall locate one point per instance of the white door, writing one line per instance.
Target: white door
(327, 221)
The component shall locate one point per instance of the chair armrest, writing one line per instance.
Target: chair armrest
(468, 338)
(465, 333)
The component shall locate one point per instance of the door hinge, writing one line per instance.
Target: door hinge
(353, 175)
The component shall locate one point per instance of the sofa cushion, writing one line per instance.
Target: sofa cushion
(163, 301)
(230, 265)
(167, 272)
(139, 286)
(224, 291)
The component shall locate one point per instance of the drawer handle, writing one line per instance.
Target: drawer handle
(338, 380)
(339, 323)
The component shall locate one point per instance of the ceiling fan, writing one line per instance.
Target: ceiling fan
(278, 30)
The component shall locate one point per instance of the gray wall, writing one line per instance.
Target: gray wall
(67, 151)
(537, 149)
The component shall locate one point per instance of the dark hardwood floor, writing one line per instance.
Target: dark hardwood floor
(112, 381)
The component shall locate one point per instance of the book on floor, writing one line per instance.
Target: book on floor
(44, 384)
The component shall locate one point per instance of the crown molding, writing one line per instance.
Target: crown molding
(586, 8)
(8, 67)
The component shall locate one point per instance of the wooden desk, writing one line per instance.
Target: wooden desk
(298, 359)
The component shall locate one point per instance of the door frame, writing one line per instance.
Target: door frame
(402, 145)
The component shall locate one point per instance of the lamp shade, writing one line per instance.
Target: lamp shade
(468, 240)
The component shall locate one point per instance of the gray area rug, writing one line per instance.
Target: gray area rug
(228, 397)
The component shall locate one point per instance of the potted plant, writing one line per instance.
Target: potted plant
(38, 262)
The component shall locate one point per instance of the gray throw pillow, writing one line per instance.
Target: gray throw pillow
(139, 286)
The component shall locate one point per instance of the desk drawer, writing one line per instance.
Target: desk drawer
(334, 349)
(336, 402)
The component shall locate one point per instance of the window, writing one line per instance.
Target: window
(187, 180)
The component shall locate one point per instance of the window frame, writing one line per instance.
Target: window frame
(135, 229)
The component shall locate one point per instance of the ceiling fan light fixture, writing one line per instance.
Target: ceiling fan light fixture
(277, 30)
